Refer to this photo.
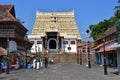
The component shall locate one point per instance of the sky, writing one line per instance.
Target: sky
(87, 12)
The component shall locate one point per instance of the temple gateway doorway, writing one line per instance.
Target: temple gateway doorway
(52, 43)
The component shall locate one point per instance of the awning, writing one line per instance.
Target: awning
(3, 51)
(107, 49)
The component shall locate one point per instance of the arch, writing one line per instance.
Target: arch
(52, 43)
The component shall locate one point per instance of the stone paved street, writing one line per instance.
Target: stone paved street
(62, 72)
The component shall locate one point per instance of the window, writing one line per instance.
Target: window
(39, 42)
(72, 42)
(65, 42)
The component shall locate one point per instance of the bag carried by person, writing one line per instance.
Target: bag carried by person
(46, 56)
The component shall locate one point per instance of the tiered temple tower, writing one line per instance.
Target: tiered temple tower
(55, 31)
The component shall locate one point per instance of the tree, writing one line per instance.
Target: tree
(98, 29)
(117, 8)
(102, 26)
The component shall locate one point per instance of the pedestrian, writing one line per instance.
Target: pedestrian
(51, 60)
(46, 60)
(34, 63)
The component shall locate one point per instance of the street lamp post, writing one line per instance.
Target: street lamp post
(36, 50)
(105, 66)
(36, 47)
(39, 52)
(80, 53)
(78, 57)
(26, 55)
(7, 59)
(88, 50)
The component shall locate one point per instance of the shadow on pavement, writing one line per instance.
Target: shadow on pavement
(2, 77)
(116, 73)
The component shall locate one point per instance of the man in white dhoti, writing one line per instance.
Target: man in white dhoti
(34, 63)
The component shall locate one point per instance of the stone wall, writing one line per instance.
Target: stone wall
(71, 58)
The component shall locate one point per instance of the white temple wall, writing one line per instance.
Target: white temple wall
(71, 43)
(37, 46)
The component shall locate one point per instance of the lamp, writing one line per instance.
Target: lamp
(105, 66)
(80, 53)
(88, 50)
(26, 55)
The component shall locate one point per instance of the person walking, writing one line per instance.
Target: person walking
(46, 60)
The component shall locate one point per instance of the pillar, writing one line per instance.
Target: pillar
(58, 41)
(118, 60)
(62, 43)
(42, 44)
(45, 42)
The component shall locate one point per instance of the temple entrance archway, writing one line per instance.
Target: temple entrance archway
(52, 43)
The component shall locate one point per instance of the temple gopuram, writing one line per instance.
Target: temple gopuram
(55, 32)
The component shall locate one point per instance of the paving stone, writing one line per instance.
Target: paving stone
(63, 72)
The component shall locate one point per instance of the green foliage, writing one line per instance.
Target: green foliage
(118, 1)
(101, 27)
(117, 13)
(117, 8)
(87, 31)
(97, 29)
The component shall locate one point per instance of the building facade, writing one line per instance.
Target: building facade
(105, 48)
(55, 31)
(12, 34)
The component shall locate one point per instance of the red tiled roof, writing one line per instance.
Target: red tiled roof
(7, 13)
(100, 45)
(107, 49)
(108, 32)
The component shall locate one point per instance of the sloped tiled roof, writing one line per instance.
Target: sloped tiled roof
(111, 30)
(7, 13)
(108, 32)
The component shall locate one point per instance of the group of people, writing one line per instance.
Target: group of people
(4, 65)
(39, 64)
(33, 64)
